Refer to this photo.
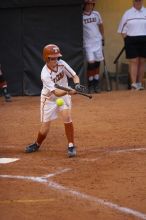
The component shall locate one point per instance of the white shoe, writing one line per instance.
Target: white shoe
(134, 86)
(139, 85)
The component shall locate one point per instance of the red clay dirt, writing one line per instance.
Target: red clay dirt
(107, 179)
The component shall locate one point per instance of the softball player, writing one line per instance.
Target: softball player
(93, 38)
(132, 27)
(55, 71)
(4, 87)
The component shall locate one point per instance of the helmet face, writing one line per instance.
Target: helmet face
(51, 50)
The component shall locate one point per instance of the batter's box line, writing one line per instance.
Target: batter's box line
(128, 150)
(108, 150)
(111, 152)
(69, 191)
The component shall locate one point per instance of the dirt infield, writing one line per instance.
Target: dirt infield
(107, 179)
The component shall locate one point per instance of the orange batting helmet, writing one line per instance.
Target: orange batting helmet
(51, 50)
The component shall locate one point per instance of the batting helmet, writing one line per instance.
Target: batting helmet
(51, 50)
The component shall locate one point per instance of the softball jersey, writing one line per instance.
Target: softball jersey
(49, 108)
(92, 38)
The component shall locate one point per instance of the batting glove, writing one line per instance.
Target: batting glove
(80, 88)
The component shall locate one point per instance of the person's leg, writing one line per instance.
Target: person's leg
(90, 69)
(140, 74)
(42, 134)
(44, 130)
(96, 77)
(48, 112)
(133, 68)
(68, 124)
(6, 94)
(90, 76)
(4, 88)
(69, 131)
(98, 58)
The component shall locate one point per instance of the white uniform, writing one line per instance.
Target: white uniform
(92, 38)
(133, 22)
(49, 108)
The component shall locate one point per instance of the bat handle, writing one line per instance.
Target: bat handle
(84, 94)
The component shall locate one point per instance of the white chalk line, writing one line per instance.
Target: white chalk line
(7, 146)
(5, 160)
(128, 150)
(97, 200)
(112, 152)
(117, 150)
(61, 188)
(10, 201)
(90, 159)
(43, 179)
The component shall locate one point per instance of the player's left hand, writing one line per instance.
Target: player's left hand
(80, 88)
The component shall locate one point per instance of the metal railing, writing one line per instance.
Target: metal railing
(116, 62)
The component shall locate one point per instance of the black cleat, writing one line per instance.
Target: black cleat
(8, 97)
(72, 151)
(97, 86)
(91, 89)
(32, 148)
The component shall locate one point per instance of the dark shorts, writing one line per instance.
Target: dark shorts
(135, 46)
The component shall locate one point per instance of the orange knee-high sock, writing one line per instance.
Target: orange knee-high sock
(69, 131)
(90, 73)
(40, 138)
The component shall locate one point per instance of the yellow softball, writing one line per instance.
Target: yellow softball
(59, 101)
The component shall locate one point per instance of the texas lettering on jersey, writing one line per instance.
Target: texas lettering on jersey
(89, 20)
(58, 77)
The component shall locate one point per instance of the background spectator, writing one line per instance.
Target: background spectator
(93, 39)
(133, 29)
